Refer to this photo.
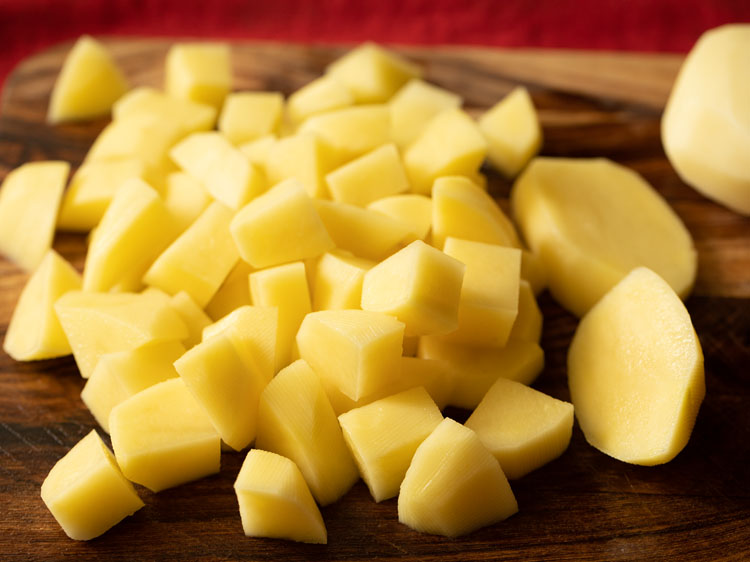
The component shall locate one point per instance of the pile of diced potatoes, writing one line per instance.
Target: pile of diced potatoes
(315, 278)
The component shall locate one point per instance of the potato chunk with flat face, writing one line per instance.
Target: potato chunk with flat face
(163, 438)
(384, 435)
(522, 427)
(29, 200)
(419, 285)
(304, 157)
(591, 221)
(414, 105)
(338, 281)
(296, 420)
(410, 208)
(192, 116)
(454, 485)
(200, 72)
(321, 95)
(635, 371)
(86, 492)
(275, 501)
(706, 123)
(249, 115)
(88, 84)
(34, 332)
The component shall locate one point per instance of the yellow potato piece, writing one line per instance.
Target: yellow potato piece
(522, 427)
(190, 115)
(200, 72)
(225, 172)
(419, 285)
(377, 174)
(321, 95)
(296, 420)
(247, 116)
(488, 306)
(30, 195)
(591, 221)
(414, 105)
(705, 128)
(474, 369)
(118, 376)
(450, 144)
(384, 435)
(284, 287)
(199, 260)
(410, 208)
(185, 199)
(275, 501)
(193, 316)
(354, 350)
(372, 74)
(162, 437)
(635, 371)
(34, 332)
(88, 84)
(133, 232)
(233, 293)
(454, 485)
(304, 157)
(338, 281)
(99, 323)
(227, 384)
(86, 492)
(285, 215)
(513, 133)
(528, 324)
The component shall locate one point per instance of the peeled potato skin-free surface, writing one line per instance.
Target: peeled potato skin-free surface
(635, 372)
(591, 221)
(706, 123)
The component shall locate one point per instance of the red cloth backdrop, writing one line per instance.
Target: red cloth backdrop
(27, 26)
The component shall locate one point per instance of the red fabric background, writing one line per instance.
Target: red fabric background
(27, 26)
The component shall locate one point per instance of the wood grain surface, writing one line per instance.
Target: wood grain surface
(583, 506)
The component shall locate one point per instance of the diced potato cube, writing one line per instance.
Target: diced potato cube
(191, 116)
(351, 131)
(284, 287)
(258, 150)
(488, 306)
(371, 73)
(91, 190)
(249, 115)
(192, 315)
(414, 105)
(185, 198)
(133, 232)
(199, 260)
(304, 157)
(375, 175)
(34, 332)
(253, 331)
(365, 233)
(86, 492)
(227, 174)
(411, 208)
(338, 281)
(462, 209)
(635, 371)
(88, 84)
(420, 286)
(30, 195)
(163, 438)
(99, 323)
(513, 133)
(384, 435)
(286, 215)
(591, 221)
(522, 427)
(275, 500)
(528, 324)
(233, 293)
(355, 350)
(450, 144)
(227, 384)
(118, 376)
(200, 72)
(454, 485)
(321, 95)
(475, 369)
(296, 420)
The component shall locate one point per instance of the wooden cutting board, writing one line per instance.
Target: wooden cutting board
(583, 506)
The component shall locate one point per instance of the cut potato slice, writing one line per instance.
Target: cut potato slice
(411, 208)
(304, 157)
(591, 221)
(635, 371)
(233, 293)
(275, 501)
(319, 96)
(338, 281)
(191, 116)
(247, 116)
(414, 105)
(200, 72)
